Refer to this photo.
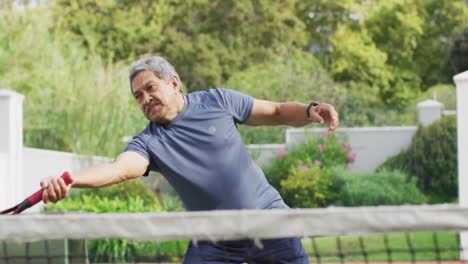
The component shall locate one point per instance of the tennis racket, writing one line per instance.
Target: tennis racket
(34, 198)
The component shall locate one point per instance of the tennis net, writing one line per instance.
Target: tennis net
(392, 234)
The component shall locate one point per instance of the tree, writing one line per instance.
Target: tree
(295, 76)
(431, 58)
(224, 37)
(458, 50)
(205, 40)
(114, 29)
(322, 18)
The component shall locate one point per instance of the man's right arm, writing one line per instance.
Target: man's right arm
(126, 166)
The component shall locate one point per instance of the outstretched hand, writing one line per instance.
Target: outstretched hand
(325, 114)
(55, 189)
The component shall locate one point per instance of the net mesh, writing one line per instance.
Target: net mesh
(401, 234)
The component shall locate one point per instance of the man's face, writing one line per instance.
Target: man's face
(156, 98)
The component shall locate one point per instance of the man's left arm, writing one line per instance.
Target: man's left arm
(267, 113)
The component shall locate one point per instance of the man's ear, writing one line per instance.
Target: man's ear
(175, 83)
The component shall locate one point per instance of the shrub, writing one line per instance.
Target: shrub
(382, 188)
(127, 191)
(432, 159)
(324, 153)
(310, 187)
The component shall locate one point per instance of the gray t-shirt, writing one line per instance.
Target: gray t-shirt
(202, 155)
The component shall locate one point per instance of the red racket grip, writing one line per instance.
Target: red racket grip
(37, 196)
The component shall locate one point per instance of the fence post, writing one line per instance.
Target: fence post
(11, 147)
(429, 111)
(461, 81)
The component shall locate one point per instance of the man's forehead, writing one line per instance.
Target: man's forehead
(143, 79)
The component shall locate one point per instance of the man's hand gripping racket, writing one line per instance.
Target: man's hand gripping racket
(34, 198)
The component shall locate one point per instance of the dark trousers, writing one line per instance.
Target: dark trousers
(278, 251)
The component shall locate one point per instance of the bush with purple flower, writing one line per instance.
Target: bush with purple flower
(295, 170)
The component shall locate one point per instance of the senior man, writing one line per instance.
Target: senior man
(194, 142)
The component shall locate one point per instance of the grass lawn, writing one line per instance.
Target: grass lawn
(399, 246)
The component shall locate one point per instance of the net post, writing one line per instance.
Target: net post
(461, 81)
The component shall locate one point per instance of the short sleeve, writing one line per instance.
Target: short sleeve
(139, 145)
(237, 104)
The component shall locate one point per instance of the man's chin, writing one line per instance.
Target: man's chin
(156, 119)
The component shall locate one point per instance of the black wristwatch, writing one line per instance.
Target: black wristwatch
(308, 108)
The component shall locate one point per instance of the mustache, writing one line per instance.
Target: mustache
(150, 105)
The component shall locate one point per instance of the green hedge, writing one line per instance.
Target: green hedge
(302, 173)
(325, 152)
(310, 187)
(382, 188)
(432, 159)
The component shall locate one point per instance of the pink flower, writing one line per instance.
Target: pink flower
(317, 162)
(349, 167)
(348, 146)
(351, 157)
(320, 148)
(281, 153)
(305, 167)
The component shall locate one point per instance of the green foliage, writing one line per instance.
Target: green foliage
(322, 18)
(206, 40)
(74, 102)
(397, 47)
(171, 203)
(458, 50)
(211, 40)
(444, 93)
(324, 152)
(382, 188)
(364, 108)
(307, 187)
(296, 75)
(126, 190)
(432, 159)
(131, 196)
(102, 204)
(114, 30)
(356, 57)
(392, 24)
(442, 19)
(363, 53)
(263, 134)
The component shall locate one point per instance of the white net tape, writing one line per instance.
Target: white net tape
(234, 224)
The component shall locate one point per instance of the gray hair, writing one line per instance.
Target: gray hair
(158, 65)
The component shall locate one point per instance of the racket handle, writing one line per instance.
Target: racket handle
(37, 196)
